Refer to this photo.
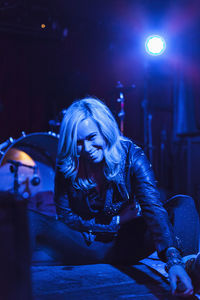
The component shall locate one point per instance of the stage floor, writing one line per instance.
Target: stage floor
(142, 281)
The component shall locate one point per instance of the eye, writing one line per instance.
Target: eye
(92, 137)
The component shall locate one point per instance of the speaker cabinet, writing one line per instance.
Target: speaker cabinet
(15, 279)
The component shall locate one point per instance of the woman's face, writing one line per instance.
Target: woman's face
(90, 142)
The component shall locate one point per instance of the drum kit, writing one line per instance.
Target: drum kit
(27, 165)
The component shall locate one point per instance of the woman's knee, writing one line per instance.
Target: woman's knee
(181, 201)
(182, 211)
(185, 221)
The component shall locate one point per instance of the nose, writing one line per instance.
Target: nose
(87, 146)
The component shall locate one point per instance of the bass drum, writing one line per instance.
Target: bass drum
(35, 178)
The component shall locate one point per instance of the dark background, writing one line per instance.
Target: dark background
(85, 49)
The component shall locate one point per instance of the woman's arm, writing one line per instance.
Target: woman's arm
(72, 219)
(148, 196)
(158, 222)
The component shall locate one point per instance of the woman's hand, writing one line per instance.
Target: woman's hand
(180, 281)
(129, 213)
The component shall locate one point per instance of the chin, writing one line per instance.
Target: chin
(97, 159)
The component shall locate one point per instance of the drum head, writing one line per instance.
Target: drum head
(37, 152)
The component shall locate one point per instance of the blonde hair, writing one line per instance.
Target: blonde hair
(68, 160)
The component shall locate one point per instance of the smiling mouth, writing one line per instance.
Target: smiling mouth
(91, 155)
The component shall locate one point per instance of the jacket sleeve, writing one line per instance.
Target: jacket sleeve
(72, 219)
(148, 197)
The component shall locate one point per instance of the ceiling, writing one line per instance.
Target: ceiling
(114, 20)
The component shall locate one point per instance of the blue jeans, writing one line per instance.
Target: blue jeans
(134, 242)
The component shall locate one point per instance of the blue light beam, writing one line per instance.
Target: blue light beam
(155, 45)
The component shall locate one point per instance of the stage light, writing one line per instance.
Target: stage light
(155, 45)
(43, 26)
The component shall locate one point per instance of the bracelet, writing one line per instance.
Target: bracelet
(173, 258)
(117, 220)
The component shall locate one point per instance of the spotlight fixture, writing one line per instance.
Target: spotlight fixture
(155, 45)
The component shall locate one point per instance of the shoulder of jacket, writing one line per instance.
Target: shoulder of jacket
(129, 146)
(135, 156)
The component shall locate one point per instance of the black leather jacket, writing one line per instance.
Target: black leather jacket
(134, 183)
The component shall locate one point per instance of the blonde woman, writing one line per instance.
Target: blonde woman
(106, 195)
